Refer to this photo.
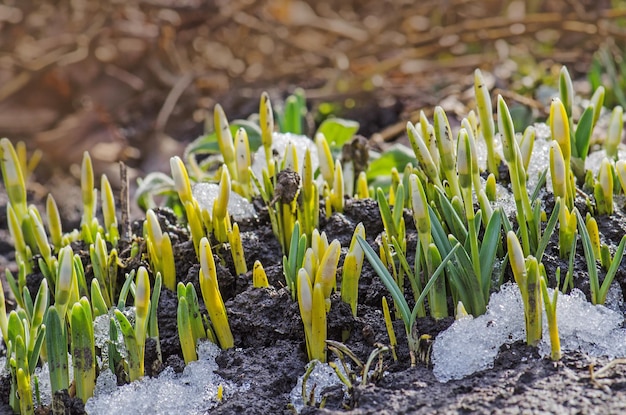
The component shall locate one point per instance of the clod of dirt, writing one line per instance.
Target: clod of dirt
(287, 184)
(259, 317)
(168, 328)
(357, 152)
(271, 372)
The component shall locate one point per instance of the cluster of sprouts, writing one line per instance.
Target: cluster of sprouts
(460, 232)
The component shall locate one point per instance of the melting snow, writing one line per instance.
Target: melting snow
(594, 330)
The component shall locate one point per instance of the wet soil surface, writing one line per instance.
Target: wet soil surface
(270, 352)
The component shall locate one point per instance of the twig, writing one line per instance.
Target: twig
(14, 85)
(170, 102)
(126, 231)
(602, 372)
(394, 130)
(529, 102)
(128, 78)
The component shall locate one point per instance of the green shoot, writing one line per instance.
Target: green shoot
(83, 349)
(153, 324)
(259, 278)
(352, 266)
(312, 306)
(326, 274)
(12, 174)
(135, 337)
(550, 305)
(408, 316)
(266, 121)
(187, 342)
(293, 261)
(447, 151)
(614, 133)
(525, 218)
(88, 224)
(390, 331)
(487, 128)
(225, 140)
(108, 211)
(190, 325)
(580, 134)
(160, 250)
(56, 348)
(212, 296)
(560, 130)
(527, 277)
(220, 216)
(603, 189)
(236, 249)
(243, 184)
(598, 291)
(54, 223)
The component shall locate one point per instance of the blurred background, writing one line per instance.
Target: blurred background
(137, 80)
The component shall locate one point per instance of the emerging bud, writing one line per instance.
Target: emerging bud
(181, 179)
(483, 102)
(464, 160)
(420, 205)
(516, 258)
(505, 125)
(325, 158)
(526, 145)
(614, 133)
(242, 154)
(559, 127)
(220, 204)
(422, 154)
(566, 90)
(558, 171)
(266, 120)
(224, 136)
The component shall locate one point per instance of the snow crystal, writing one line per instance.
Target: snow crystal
(594, 330)
(192, 392)
(481, 152)
(502, 323)
(539, 161)
(279, 144)
(504, 199)
(322, 377)
(542, 131)
(615, 298)
(238, 207)
(593, 160)
(101, 326)
(106, 383)
(42, 374)
(45, 389)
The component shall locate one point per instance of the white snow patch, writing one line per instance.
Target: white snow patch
(322, 377)
(192, 392)
(471, 344)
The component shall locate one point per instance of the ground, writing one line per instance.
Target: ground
(137, 80)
